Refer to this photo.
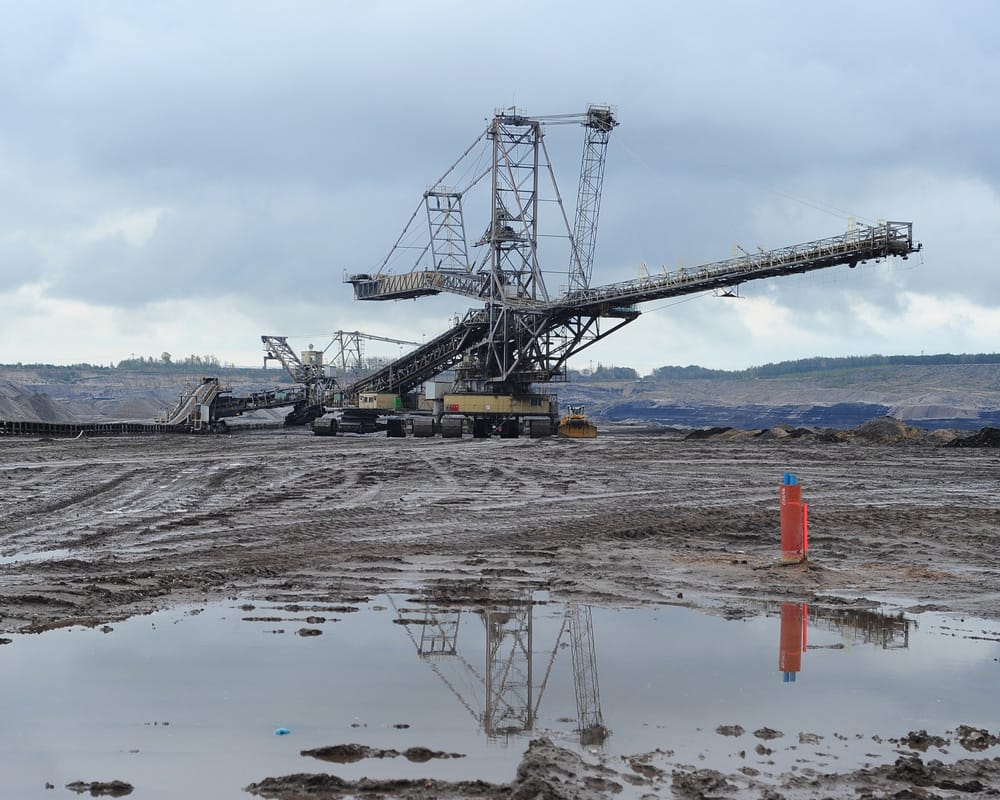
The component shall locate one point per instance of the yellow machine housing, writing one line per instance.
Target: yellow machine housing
(575, 424)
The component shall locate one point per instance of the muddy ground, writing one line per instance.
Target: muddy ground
(138, 524)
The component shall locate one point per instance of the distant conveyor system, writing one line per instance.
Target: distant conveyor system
(205, 404)
(193, 407)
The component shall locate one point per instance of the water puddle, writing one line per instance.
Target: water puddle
(40, 555)
(200, 702)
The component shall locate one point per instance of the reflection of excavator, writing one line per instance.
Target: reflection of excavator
(580, 628)
(504, 698)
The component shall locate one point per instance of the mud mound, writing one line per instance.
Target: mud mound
(987, 437)
(349, 753)
(707, 433)
(882, 430)
(788, 432)
(554, 773)
(888, 430)
(101, 789)
(735, 435)
(975, 739)
(546, 771)
(944, 436)
(17, 403)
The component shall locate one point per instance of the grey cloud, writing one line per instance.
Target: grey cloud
(288, 144)
(21, 264)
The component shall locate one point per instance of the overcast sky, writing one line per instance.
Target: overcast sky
(186, 176)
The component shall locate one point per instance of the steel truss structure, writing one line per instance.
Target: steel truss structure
(523, 334)
(315, 372)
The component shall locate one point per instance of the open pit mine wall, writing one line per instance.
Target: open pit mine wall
(751, 417)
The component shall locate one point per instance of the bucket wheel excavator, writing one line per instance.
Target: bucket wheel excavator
(522, 333)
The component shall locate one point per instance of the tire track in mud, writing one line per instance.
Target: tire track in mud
(625, 518)
(50, 524)
(71, 497)
(137, 510)
(147, 502)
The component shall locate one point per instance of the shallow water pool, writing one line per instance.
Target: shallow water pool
(195, 702)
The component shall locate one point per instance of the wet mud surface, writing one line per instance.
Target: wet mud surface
(95, 531)
(549, 771)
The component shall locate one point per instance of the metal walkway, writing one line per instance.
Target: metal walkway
(855, 247)
(863, 243)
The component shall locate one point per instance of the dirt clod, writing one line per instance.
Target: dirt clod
(986, 437)
(921, 740)
(350, 753)
(339, 753)
(114, 788)
(546, 771)
(700, 783)
(974, 739)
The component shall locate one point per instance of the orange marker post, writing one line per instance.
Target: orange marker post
(793, 520)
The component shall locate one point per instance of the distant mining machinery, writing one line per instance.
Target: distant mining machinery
(307, 371)
(204, 406)
(316, 373)
(523, 333)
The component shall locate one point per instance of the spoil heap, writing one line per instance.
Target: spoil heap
(19, 404)
(987, 437)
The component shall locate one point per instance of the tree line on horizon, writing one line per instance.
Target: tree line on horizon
(166, 363)
(779, 369)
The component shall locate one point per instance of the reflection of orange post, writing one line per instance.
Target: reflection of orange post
(793, 639)
(793, 520)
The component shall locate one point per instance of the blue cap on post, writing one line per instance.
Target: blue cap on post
(789, 479)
